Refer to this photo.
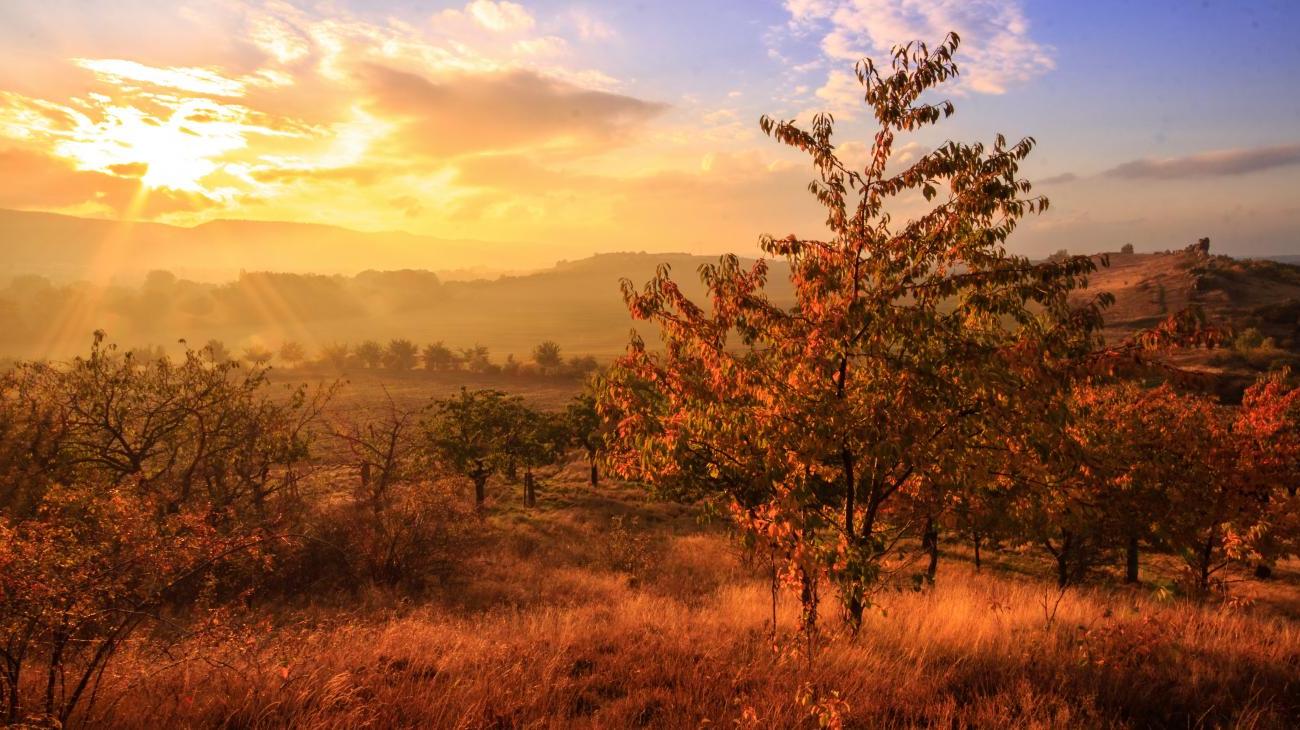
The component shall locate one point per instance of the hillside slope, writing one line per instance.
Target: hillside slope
(66, 248)
(1234, 294)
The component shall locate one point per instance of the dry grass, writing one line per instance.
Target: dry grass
(570, 618)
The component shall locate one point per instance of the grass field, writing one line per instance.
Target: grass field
(603, 608)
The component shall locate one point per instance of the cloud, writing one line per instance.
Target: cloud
(278, 38)
(1217, 163)
(499, 111)
(545, 46)
(498, 178)
(1065, 177)
(193, 80)
(499, 17)
(590, 28)
(997, 51)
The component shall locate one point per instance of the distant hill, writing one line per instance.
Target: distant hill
(1236, 294)
(66, 248)
(1294, 260)
(576, 303)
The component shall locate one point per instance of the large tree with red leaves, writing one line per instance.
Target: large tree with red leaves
(909, 346)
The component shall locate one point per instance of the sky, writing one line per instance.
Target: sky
(610, 126)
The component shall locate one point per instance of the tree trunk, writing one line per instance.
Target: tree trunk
(977, 540)
(775, 587)
(1131, 567)
(512, 471)
(12, 676)
(930, 543)
(480, 491)
(595, 473)
(530, 489)
(808, 599)
(854, 607)
(1063, 560)
(1206, 558)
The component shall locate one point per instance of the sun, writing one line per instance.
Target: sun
(175, 150)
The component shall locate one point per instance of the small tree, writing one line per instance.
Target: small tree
(583, 365)
(401, 354)
(587, 430)
(292, 353)
(439, 357)
(537, 439)
(257, 355)
(1267, 430)
(370, 353)
(148, 353)
(547, 356)
(336, 356)
(467, 433)
(384, 450)
(476, 359)
(1126, 248)
(216, 352)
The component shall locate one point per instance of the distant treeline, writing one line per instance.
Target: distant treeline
(398, 355)
(164, 303)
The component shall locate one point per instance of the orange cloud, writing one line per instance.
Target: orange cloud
(500, 111)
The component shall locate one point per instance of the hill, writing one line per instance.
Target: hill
(1258, 297)
(576, 303)
(66, 248)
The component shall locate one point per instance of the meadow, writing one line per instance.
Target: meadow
(604, 608)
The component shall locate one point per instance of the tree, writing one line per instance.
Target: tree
(476, 359)
(401, 354)
(467, 433)
(80, 580)
(400, 524)
(292, 353)
(908, 347)
(370, 353)
(439, 357)
(1267, 429)
(583, 365)
(547, 356)
(1209, 508)
(187, 432)
(124, 484)
(587, 429)
(535, 439)
(216, 352)
(1075, 488)
(384, 449)
(257, 355)
(336, 355)
(1126, 248)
